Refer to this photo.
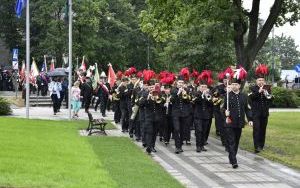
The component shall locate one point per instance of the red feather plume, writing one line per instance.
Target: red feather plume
(206, 77)
(185, 73)
(119, 75)
(230, 72)
(261, 70)
(221, 76)
(148, 74)
(139, 74)
(195, 74)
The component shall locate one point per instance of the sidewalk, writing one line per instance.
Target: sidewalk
(205, 169)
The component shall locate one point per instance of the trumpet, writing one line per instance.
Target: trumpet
(206, 95)
(266, 93)
(183, 93)
(216, 99)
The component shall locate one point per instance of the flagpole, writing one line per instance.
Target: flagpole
(70, 56)
(27, 57)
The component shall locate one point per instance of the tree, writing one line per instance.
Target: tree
(163, 18)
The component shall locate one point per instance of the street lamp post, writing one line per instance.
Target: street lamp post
(273, 58)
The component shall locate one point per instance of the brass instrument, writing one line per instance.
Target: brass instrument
(266, 89)
(216, 99)
(206, 95)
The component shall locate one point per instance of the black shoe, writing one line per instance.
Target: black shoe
(144, 145)
(160, 139)
(153, 149)
(177, 150)
(95, 109)
(148, 150)
(203, 149)
(131, 135)
(257, 150)
(166, 143)
(188, 143)
(235, 166)
(198, 149)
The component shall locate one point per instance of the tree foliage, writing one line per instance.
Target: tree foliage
(164, 18)
(103, 30)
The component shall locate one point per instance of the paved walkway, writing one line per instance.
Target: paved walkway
(205, 169)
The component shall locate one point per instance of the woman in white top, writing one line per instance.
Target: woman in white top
(55, 88)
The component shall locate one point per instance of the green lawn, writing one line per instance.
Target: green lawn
(41, 153)
(282, 141)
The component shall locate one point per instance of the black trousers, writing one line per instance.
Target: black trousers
(207, 130)
(187, 128)
(87, 103)
(167, 128)
(219, 123)
(55, 102)
(103, 104)
(134, 127)
(124, 119)
(117, 110)
(233, 136)
(179, 125)
(259, 131)
(151, 130)
(201, 127)
(143, 132)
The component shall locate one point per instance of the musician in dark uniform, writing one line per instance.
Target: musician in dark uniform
(87, 93)
(181, 112)
(218, 94)
(203, 109)
(123, 95)
(103, 94)
(141, 114)
(154, 107)
(134, 127)
(261, 98)
(115, 99)
(235, 113)
(167, 125)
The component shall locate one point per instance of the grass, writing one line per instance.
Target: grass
(282, 140)
(42, 153)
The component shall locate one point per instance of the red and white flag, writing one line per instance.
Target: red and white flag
(83, 65)
(34, 72)
(22, 71)
(52, 67)
(111, 76)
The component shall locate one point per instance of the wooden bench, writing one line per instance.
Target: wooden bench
(98, 124)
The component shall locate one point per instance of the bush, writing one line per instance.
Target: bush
(4, 107)
(285, 98)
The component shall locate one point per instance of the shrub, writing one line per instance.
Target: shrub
(4, 107)
(284, 98)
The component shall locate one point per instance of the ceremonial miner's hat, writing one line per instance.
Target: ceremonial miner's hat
(261, 71)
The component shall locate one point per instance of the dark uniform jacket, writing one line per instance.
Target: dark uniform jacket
(153, 109)
(238, 107)
(180, 107)
(87, 91)
(259, 102)
(203, 108)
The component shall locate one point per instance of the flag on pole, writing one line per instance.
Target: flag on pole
(83, 65)
(111, 76)
(96, 76)
(22, 71)
(34, 72)
(20, 5)
(52, 67)
(44, 66)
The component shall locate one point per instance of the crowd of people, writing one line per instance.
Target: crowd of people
(168, 106)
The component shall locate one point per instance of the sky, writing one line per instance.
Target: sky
(265, 5)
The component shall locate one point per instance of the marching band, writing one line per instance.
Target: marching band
(150, 105)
